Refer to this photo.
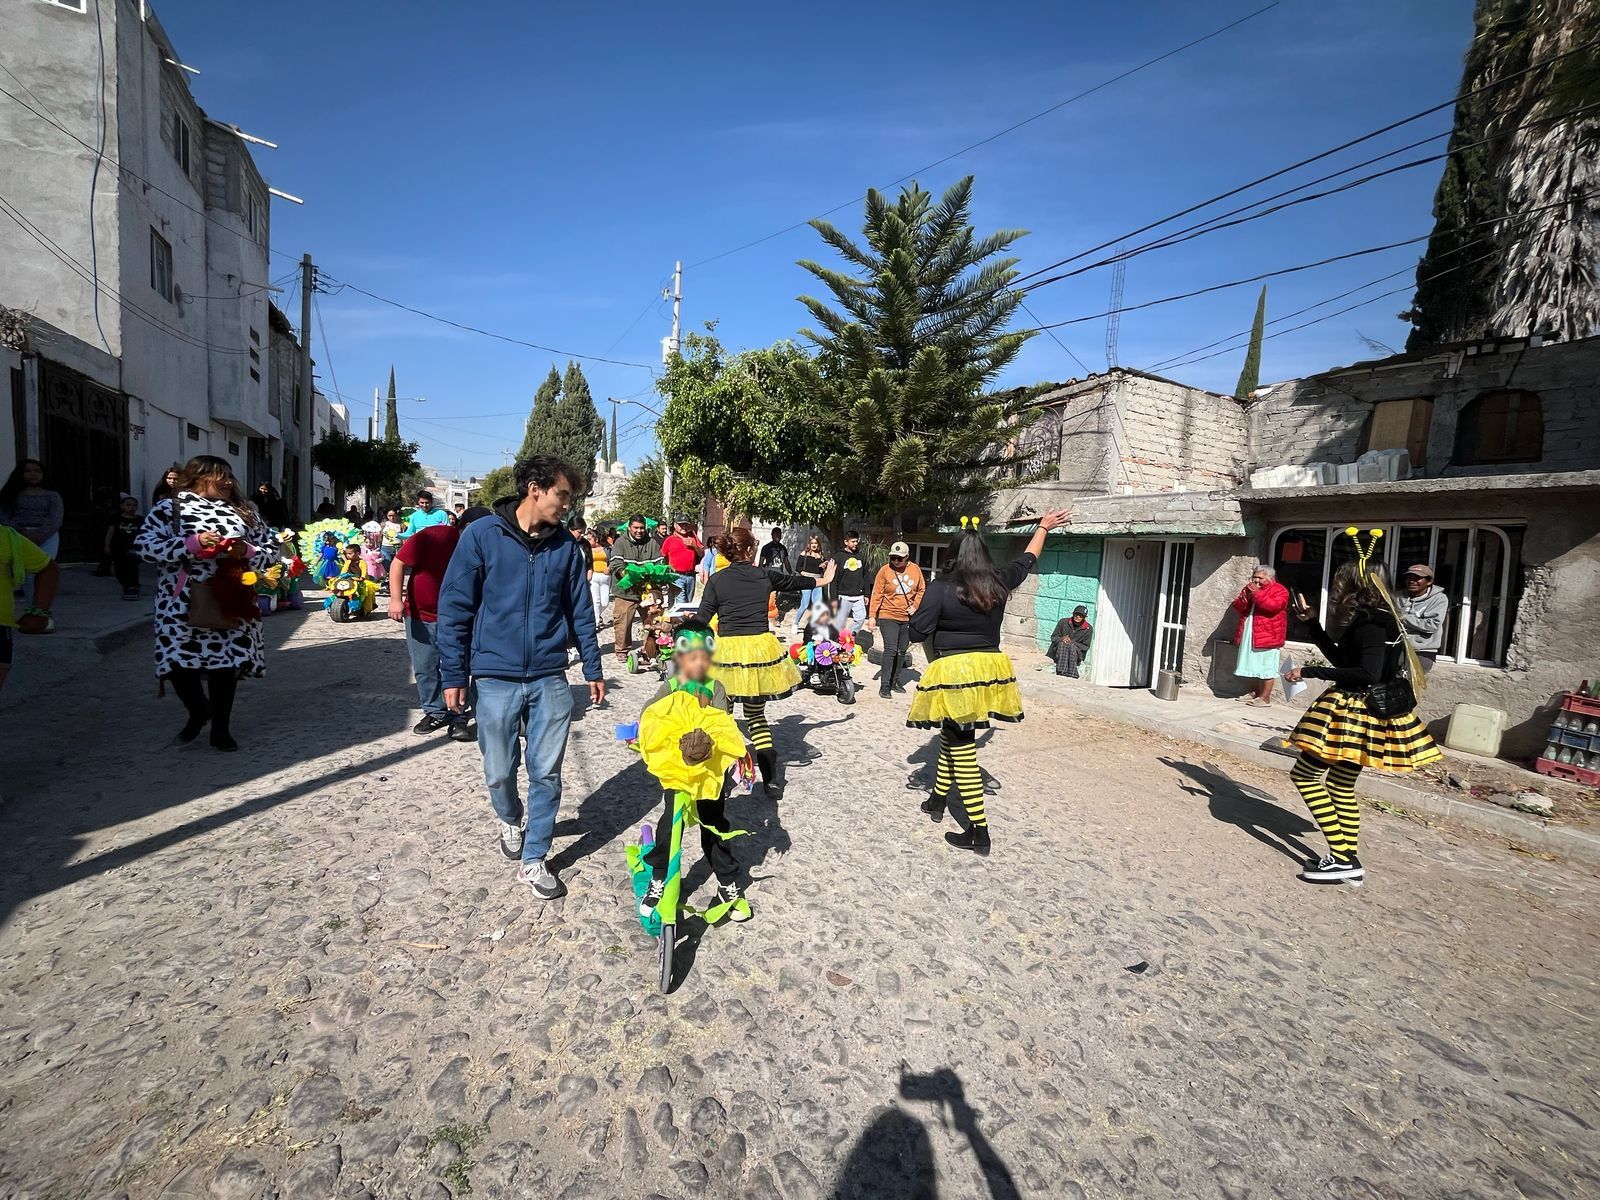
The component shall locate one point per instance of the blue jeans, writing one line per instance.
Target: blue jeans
(502, 706)
(425, 666)
(809, 599)
(685, 586)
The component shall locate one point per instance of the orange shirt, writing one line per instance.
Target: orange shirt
(896, 593)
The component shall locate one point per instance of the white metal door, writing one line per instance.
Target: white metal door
(1172, 614)
(1124, 636)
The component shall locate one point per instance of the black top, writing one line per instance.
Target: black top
(952, 626)
(809, 564)
(774, 555)
(1078, 635)
(849, 580)
(737, 597)
(1360, 658)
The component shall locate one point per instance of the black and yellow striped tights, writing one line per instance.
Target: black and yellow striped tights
(755, 720)
(958, 774)
(1332, 801)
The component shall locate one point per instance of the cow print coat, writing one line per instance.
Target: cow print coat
(179, 644)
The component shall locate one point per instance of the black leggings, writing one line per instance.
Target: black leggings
(958, 775)
(713, 819)
(193, 686)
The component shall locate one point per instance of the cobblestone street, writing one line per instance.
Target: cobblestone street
(305, 971)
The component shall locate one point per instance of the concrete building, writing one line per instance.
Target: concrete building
(606, 482)
(449, 489)
(135, 261)
(1482, 460)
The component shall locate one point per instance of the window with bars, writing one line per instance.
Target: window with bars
(1475, 564)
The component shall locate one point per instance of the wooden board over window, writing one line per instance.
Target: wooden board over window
(1505, 426)
(1402, 425)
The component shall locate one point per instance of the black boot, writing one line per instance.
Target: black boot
(767, 764)
(222, 684)
(891, 663)
(899, 684)
(934, 807)
(975, 839)
(186, 683)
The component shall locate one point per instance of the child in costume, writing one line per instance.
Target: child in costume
(1366, 719)
(689, 741)
(351, 562)
(327, 558)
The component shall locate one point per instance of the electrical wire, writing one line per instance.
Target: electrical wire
(83, 272)
(653, 302)
(1366, 137)
(94, 173)
(327, 347)
(1057, 340)
(1148, 63)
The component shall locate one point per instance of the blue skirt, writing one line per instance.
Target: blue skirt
(1256, 664)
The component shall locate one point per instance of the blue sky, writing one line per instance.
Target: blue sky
(535, 169)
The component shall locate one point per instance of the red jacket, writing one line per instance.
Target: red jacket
(1271, 611)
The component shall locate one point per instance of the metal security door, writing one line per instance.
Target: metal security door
(1172, 616)
(1124, 636)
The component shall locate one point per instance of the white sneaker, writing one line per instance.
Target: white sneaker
(652, 897)
(510, 839)
(541, 880)
(1334, 870)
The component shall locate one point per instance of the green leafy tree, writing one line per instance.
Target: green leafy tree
(564, 421)
(391, 414)
(750, 429)
(379, 467)
(497, 485)
(1250, 373)
(913, 340)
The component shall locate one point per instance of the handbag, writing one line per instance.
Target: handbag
(1395, 696)
(205, 611)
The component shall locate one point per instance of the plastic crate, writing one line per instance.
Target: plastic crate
(1578, 741)
(1567, 771)
(1589, 706)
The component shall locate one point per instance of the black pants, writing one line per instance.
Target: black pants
(208, 695)
(713, 816)
(894, 637)
(127, 568)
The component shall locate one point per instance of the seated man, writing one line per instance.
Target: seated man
(1069, 644)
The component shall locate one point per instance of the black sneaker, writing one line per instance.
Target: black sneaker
(429, 724)
(510, 840)
(1336, 870)
(462, 731)
(652, 897)
(733, 896)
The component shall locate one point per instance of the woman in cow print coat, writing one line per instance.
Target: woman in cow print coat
(203, 665)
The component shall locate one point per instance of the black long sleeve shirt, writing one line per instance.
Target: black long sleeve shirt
(1360, 656)
(737, 596)
(953, 626)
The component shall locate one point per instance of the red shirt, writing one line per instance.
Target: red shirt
(427, 552)
(682, 554)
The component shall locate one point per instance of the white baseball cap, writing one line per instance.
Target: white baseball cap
(899, 550)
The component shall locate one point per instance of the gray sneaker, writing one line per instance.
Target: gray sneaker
(541, 880)
(510, 840)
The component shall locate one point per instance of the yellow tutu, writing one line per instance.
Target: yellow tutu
(1338, 728)
(969, 689)
(754, 667)
(665, 721)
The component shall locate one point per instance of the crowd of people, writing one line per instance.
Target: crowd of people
(497, 602)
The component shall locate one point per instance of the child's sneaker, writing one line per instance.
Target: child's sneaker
(652, 897)
(732, 895)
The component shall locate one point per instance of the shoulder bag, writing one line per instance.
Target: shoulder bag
(204, 610)
(1395, 696)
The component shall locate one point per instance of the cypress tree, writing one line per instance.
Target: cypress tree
(1250, 373)
(611, 458)
(391, 414)
(536, 439)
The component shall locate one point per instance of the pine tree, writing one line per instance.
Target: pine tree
(537, 439)
(909, 354)
(584, 428)
(1250, 373)
(391, 414)
(1516, 231)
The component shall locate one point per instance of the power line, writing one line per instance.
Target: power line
(1366, 137)
(327, 347)
(1321, 262)
(1055, 339)
(1148, 63)
(653, 302)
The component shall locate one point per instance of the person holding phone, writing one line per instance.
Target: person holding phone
(1339, 734)
(1263, 608)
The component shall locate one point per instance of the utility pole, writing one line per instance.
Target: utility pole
(308, 283)
(377, 421)
(670, 349)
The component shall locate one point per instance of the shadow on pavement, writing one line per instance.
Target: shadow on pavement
(107, 758)
(926, 761)
(1252, 810)
(893, 1157)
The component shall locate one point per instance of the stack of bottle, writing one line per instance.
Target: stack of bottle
(1574, 739)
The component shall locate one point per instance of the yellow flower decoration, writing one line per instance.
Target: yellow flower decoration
(248, 578)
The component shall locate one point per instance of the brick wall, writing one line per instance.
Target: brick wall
(1323, 419)
(1177, 437)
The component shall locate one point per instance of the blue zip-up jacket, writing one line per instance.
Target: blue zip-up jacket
(511, 603)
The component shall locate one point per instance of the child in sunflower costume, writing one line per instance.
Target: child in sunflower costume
(1366, 719)
(690, 743)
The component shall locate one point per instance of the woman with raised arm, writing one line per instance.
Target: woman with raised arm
(750, 663)
(971, 680)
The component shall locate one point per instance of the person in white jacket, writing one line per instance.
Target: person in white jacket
(1424, 609)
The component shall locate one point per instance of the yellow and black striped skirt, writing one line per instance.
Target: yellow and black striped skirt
(1338, 728)
(754, 667)
(968, 689)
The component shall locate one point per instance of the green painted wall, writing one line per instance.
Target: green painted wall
(1068, 575)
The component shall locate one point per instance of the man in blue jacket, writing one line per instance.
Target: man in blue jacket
(515, 595)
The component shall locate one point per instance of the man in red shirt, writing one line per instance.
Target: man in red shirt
(682, 551)
(422, 560)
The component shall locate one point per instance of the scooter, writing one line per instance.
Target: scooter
(350, 598)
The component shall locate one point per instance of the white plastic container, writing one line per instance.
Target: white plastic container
(1476, 729)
